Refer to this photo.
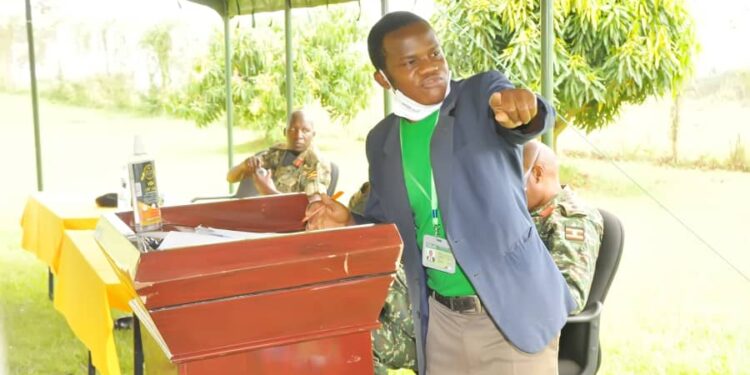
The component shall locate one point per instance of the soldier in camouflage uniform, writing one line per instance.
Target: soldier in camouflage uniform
(393, 344)
(571, 229)
(289, 168)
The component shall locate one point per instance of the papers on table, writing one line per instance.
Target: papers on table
(203, 236)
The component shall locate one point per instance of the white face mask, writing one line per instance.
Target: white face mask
(410, 109)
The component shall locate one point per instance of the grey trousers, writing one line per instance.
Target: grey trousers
(471, 344)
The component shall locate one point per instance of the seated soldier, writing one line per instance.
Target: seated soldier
(571, 229)
(288, 168)
(393, 344)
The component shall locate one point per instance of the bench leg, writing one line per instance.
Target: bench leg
(137, 347)
(50, 284)
(92, 369)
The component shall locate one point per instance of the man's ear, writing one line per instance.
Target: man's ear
(537, 172)
(381, 80)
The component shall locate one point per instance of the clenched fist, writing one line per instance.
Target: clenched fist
(513, 107)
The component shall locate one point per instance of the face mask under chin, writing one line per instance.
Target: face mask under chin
(409, 108)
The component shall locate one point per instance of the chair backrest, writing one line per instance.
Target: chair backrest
(610, 253)
(246, 188)
(334, 179)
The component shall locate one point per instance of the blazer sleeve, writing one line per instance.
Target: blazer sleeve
(373, 212)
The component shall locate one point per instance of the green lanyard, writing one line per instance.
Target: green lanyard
(433, 191)
(433, 200)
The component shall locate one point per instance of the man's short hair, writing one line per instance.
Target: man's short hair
(295, 115)
(390, 22)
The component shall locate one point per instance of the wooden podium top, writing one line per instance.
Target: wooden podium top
(217, 299)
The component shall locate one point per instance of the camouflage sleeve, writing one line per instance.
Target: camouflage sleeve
(269, 158)
(316, 176)
(359, 199)
(574, 245)
(393, 344)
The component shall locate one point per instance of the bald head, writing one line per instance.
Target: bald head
(299, 131)
(537, 153)
(298, 116)
(541, 174)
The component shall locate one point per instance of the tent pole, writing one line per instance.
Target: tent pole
(548, 83)
(386, 95)
(289, 67)
(34, 96)
(228, 79)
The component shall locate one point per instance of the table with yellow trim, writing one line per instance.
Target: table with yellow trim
(58, 230)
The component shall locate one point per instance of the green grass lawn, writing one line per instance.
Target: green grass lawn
(674, 308)
(37, 337)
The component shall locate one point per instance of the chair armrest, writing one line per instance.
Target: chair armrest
(590, 317)
(587, 315)
(211, 198)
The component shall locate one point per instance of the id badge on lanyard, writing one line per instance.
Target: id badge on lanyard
(436, 251)
(437, 254)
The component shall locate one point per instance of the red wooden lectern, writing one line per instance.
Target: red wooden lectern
(297, 303)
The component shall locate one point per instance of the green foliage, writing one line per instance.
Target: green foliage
(737, 159)
(99, 91)
(607, 52)
(327, 65)
(158, 42)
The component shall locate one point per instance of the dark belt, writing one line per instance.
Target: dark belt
(463, 304)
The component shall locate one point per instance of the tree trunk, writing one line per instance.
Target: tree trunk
(560, 126)
(675, 128)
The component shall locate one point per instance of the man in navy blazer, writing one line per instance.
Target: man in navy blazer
(505, 301)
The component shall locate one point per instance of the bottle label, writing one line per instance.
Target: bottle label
(146, 209)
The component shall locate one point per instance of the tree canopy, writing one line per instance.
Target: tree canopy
(329, 66)
(607, 52)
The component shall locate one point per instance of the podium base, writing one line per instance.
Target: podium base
(346, 355)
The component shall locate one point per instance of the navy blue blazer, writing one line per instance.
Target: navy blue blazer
(478, 171)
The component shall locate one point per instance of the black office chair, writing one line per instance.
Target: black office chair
(580, 351)
(334, 179)
(246, 188)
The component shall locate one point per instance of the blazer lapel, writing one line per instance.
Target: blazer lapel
(394, 187)
(441, 154)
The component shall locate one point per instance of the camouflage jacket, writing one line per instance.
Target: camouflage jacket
(393, 344)
(572, 232)
(306, 172)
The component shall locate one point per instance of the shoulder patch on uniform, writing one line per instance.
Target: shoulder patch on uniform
(575, 207)
(573, 233)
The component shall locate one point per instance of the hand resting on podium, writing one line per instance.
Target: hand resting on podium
(327, 213)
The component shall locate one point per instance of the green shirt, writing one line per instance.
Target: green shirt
(415, 151)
